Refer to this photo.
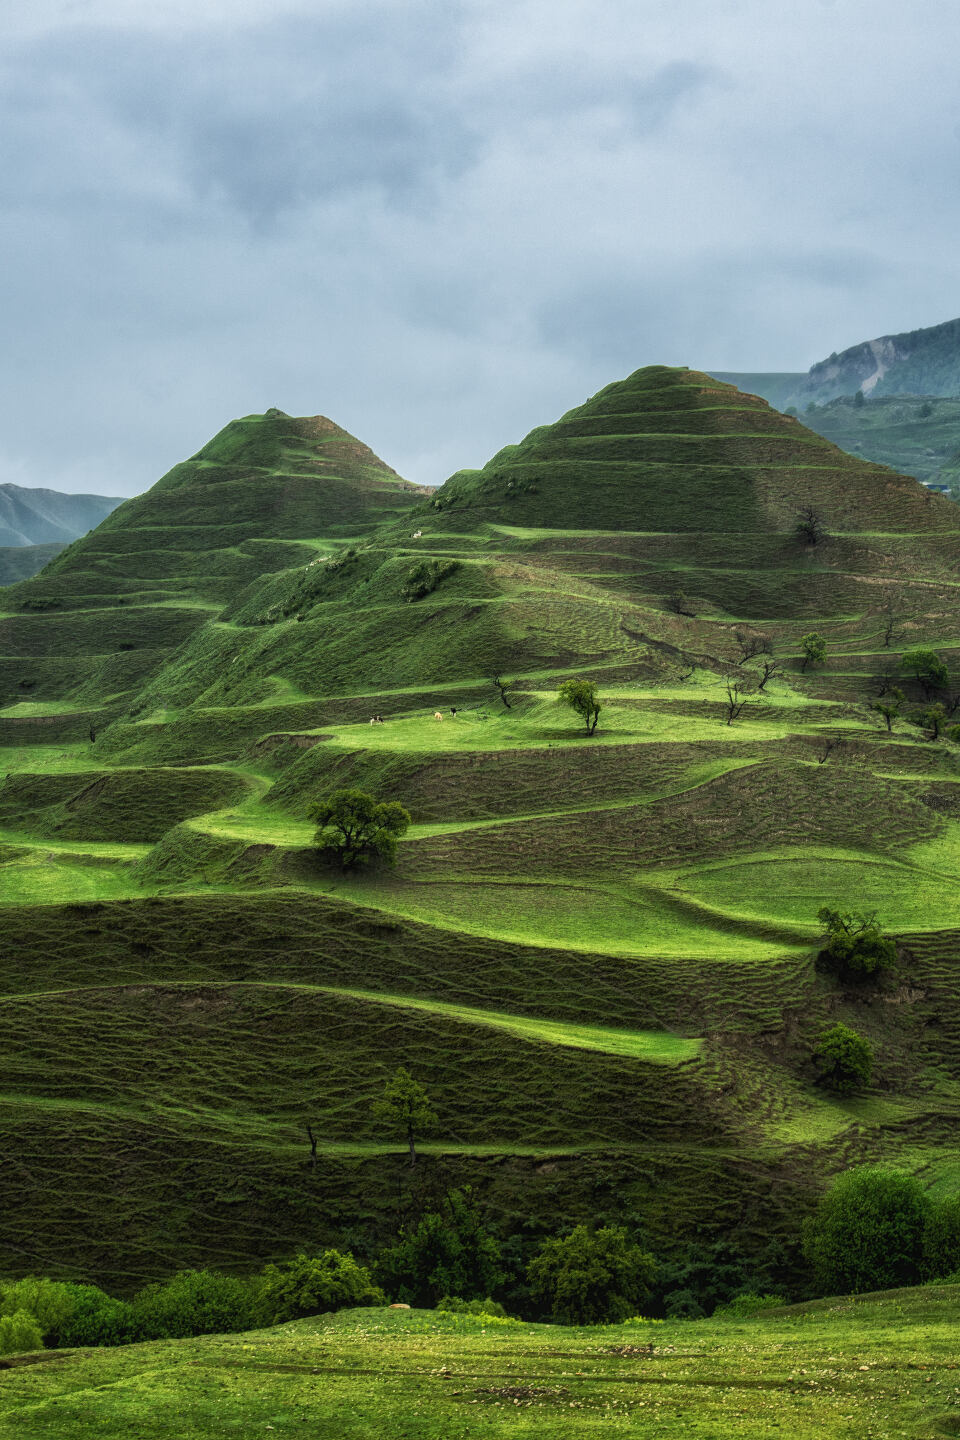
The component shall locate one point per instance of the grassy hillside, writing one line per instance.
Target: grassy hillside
(597, 953)
(878, 1365)
(19, 562)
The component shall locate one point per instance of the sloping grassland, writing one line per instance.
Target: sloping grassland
(597, 952)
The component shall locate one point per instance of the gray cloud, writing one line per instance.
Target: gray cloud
(445, 221)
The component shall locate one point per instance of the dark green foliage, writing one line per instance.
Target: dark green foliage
(856, 947)
(592, 1277)
(707, 1275)
(405, 1106)
(941, 1238)
(423, 578)
(454, 1305)
(195, 1302)
(926, 667)
(450, 1252)
(867, 1232)
(931, 717)
(314, 1284)
(814, 649)
(354, 828)
(843, 1059)
(582, 697)
(743, 1307)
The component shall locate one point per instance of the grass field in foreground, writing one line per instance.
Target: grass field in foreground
(881, 1366)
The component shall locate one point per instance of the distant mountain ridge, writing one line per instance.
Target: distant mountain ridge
(47, 517)
(915, 362)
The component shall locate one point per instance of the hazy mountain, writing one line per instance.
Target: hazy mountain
(43, 517)
(917, 362)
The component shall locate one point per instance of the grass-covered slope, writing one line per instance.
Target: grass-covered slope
(596, 952)
(877, 1365)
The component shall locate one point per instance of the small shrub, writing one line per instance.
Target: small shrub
(96, 1319)
(315, 1284)
(422, 579)
(453, 1305)
(19, 1332)
(743, 1307)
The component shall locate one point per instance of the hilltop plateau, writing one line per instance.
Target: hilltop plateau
(596, 952)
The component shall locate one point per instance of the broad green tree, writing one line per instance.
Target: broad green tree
(353, 827)
(926, 667)
(449, 1252)
(844, 1059)
(592, 1277)
(406, 1106)
(855, 946)
(867, 1232)
(814, 649)
(581, 695)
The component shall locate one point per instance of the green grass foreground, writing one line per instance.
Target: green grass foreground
(882, 1365)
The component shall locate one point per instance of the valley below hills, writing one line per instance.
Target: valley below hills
(597, 952)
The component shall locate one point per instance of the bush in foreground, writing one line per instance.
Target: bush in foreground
(867, 1232)
(195, 1302)
(449, 1253)
(590, 1277)
(19, 1332)
(314, 1284)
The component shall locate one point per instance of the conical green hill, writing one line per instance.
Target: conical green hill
(266, 493)
(673, 450)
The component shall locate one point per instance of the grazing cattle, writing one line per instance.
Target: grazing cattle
(417, 534)
(437, 715)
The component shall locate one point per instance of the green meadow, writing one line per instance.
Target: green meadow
(882, 1365)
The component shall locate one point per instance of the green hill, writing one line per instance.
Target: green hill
(596, 952)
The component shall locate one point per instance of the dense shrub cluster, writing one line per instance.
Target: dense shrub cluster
(873, 1229)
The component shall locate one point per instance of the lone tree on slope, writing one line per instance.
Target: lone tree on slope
(814, 649)
(405, 1105)
(889, 708)
(856, 948)
(844, 1059)
(353, 828)
(926, 667)
(581, 695)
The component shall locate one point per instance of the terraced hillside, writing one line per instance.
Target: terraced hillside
(596, 952)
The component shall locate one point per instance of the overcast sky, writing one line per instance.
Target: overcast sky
(442, 222)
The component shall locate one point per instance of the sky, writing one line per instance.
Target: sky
(443, 222)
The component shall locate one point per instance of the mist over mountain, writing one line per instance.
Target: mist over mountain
(916, 362)
(44, 517)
